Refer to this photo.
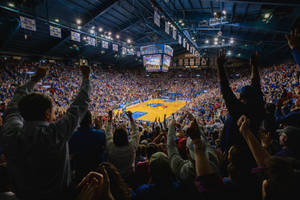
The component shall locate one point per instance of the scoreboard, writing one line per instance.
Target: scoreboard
(156, 57)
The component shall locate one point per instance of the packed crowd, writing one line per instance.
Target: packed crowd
(237, 137)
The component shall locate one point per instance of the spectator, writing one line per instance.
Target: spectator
(35, 146)
(121, 152)
(87, 147)
(162, 184)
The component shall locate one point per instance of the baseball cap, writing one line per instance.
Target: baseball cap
(289, 131)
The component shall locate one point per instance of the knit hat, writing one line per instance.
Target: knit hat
(159, 158)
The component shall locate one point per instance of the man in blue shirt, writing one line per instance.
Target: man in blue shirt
(86, 148)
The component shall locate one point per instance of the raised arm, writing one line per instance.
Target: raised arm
(12, 119)
(294, 44)
(65, 126)
(108, 129)
(134, 131)
(231, 101)
(260, 154)
(255, 77)
(176, 161)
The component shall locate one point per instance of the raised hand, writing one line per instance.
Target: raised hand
(129, 114)
(40, 73)
(110, 116)
(254, 59)
(193, 131)
(221, 59)
(190, 116)
(85, 70)
(293, 39)
(244, 124)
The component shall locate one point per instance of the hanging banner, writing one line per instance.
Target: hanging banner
(179, 39)
(75, 36)
(91, 41)
(55, 31)
(167, 27)
(105, 44)
(27, 23)
(174, 34)
(187, 46)
(191, 50)
(115, 47)
(183, 43)
(156, 18)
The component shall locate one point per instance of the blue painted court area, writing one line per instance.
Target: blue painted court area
(138, 114)
(153, 105)
(169, 100)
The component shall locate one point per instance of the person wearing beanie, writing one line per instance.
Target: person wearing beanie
(162, 183)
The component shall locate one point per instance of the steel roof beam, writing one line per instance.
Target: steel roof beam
(105, 8)
(266, 2)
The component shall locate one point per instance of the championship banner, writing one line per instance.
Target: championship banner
(183, 43)
(115, 47)
(156, 18)
(179, 39)
(91, 41)
(187, 46)
(55, 31)
(75, 36)
(167, 27)
(174, 34)
(27, 23)
(104, 44)
(191, 50)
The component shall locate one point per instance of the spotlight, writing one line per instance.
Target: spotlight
(206, 41)
(109, 33)
(11, 4)
(117, 36)
(180, 21)
(216, 43)
(93, 27)
(216, 39)
(267, 15)
(79, 27)
(56, 20)
(78, 21)
(229, 53)
(224, 12)
(92, 31)
(128, 41)
(100, 29)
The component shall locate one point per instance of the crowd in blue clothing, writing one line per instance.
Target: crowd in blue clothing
(237, 140)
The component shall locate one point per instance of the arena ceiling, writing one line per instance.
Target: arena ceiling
(247, 26)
